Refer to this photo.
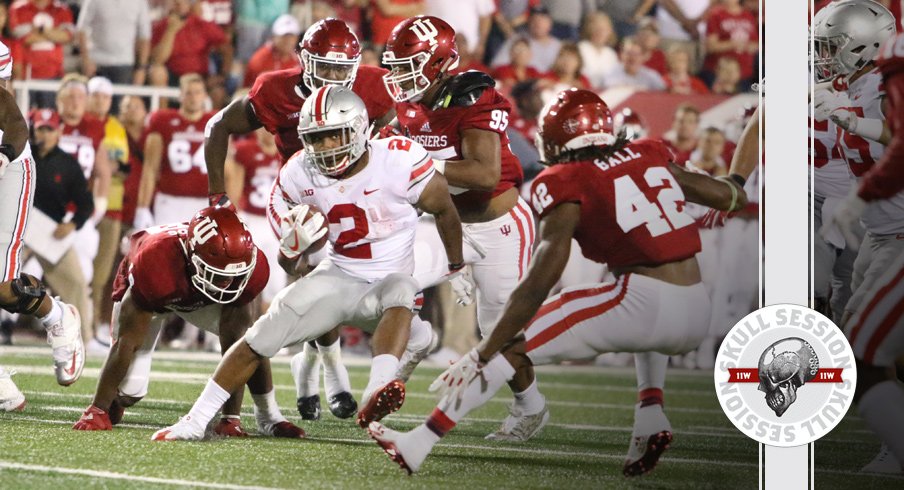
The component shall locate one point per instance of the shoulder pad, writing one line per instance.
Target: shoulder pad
(464, 89)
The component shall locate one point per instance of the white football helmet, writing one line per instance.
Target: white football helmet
(847, 35)
(336, 109)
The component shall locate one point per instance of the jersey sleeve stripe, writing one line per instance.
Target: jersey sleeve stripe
(420, 168)
(424, 177)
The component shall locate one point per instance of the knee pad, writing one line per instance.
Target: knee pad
(28, 293)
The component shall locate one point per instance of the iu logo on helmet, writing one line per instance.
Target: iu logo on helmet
(425, 31)
(204, 230)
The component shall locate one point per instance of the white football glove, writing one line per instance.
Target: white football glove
(462, 283)
(296, 235)
(453, 381)
(845, 218)
(143, 219)
(4, 161)
(845, 119)
(825, 102)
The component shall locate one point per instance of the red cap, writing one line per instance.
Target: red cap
(44, 117)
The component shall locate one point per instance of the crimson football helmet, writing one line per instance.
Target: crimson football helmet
(631, 122)
(329, 54)
(575, 119)
(418, 51)
(222, 254)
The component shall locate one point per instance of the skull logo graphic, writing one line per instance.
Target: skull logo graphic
(784, 367)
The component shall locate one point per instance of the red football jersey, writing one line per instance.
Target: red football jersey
(260, 173)
(277, 98)
(743, 27)
(43, 59)
(183, 170)
(83, 141)
(632, 208)
(157, 269)
(439, 131)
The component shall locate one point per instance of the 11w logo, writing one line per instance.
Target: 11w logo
(204, 231)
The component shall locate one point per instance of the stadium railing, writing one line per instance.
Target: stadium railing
(24, 89)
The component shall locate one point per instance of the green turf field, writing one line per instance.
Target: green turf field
(582, 447)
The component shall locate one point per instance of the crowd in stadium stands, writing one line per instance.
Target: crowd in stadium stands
(532, 48)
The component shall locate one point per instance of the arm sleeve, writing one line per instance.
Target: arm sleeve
(64, 19)
(144, 21)
(550, 189)
(422, 170)
(887, 177)
(17, 24)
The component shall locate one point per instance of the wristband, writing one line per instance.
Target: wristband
(734, 192)
(9, 151)
(737, 178)
(455, 266)
(868, 128)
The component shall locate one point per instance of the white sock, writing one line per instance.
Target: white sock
(530, 401)
(305, 368)
(208, 404)
(881, 408)
(421, 335)
(496, 373)
(266, 410)
(382, 370)
(55, 315)
(651, 368)
(335, 375)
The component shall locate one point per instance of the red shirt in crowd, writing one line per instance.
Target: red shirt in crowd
(507, 74)
(183, 171)
(267, 59)
(192, 45)
(582, 81)
(658, 62)
(381, 26)
(738, 27)
(43, 59)
(690, 85)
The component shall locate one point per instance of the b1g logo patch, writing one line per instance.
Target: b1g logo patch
(785, 375)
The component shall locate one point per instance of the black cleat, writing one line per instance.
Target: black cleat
(309, 407)
(343, 405)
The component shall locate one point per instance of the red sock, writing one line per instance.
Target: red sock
(650, 396)
(439, 423)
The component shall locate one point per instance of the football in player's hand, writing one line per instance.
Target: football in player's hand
(316, 246)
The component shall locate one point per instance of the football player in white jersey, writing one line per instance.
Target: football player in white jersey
(848, 35)
(369, 191)
(19, 292)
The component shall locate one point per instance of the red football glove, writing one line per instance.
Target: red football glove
(93, 419)
(388, 131)
(222, 200)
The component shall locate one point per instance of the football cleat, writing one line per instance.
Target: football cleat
(229, 427)
(410, 360)
(183, 430)
(11, 399)
(309, 407)
(116, 412)
(520, 428)
(399, 446)
(284, 429)
(343, 405)
(650, 438)
(94, 418)
(884, 462)
(382, 402)
(65, 337)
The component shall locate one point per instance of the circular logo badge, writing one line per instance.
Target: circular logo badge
(785, 375)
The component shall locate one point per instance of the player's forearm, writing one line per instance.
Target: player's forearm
(472, 174)
(234, 119)
(448, 224)
(747, 154)
(133, 328)
(15, 129)
(233, 323)
(149, 175)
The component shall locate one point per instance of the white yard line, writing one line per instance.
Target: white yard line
(123, 476)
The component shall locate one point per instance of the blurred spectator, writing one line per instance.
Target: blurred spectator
(386, 14)
(510, 18)
(42, 27)
(543, 45)
(566, 71)
(648, 38)
(631, 72)
(182, 43)
(309, 12)
(472, 18)
(679, 79)
(682, 138)
(217, 11)
(467, 60)
(100, 99)
(728, 77)
(731, 32)
(679, 22)
(708, 155)
(596, 48)
(217, 93)
(112, 36)
(566, 16)
(276, 54)
(519, 69)
(631, 122)
(7, 38)
(132, 113)
(369, 56)
(252, 24)
(528, 104)
(625, 14)
(59, 184)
